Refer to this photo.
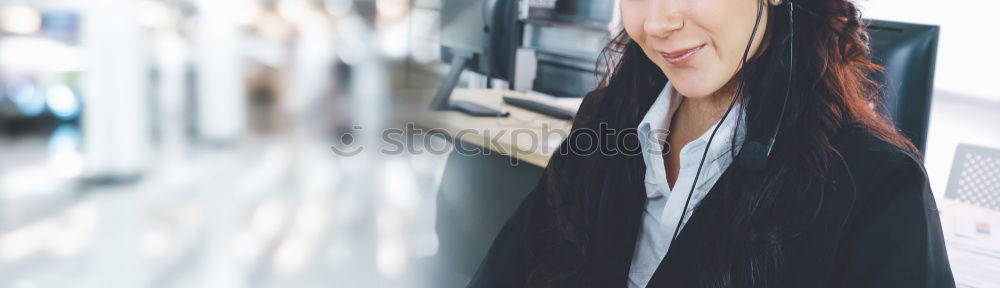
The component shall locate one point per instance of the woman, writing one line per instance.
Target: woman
(800, 184)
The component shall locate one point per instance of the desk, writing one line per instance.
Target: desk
(478, 192)
(973, 249)
(525, 135)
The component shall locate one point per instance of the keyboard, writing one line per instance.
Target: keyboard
(538, 107)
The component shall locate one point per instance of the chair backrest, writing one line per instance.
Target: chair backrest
(908, 52)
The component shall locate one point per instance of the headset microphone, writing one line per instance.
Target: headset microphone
(754, 154)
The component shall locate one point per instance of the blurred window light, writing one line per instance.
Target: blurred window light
(20, 20)
(353, 31)
(391, 9)
(39, 54)
(310, 219)
(390, 258)
(292, 254)
(154, 14)
(401, 184)
(338, 8)
(303, 14)
(247, 246)
(155, 244)
(391, 250)
(424, 36)
(66, 243)
(189, 216)
(27, 99)
(292, 10)
(69, 237)
(961, 65)
(392, 39)
(21, 243)
(268, 219)
(28, 181)
(83, 215)
(61, 236)
(55, 235)
(65, 159)
(62, 102)
(24, 283)
(272, 26)
(248, 12)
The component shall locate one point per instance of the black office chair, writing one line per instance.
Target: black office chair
(908, 52)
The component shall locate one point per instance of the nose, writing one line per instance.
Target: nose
(665, 17)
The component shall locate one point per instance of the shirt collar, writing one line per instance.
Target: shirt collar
(654, 128)
(656, 122)
(720, 155)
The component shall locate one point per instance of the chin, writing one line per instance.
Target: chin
(694, 84)
(692, 88)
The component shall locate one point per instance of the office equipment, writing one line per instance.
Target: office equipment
(975, 177)
(526, 64)
(535, 106)
(482, 36)
(568, 37)
(908, 52)
(495, 134)
(970, 216)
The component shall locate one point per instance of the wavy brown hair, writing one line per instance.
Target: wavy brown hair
(832, 92)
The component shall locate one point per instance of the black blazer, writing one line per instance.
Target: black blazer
(878, 226)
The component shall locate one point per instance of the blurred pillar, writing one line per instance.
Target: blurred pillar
(313, 57)
(221, 101)
(171, 59)
(116, 106)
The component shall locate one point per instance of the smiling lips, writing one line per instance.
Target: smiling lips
(681, 57)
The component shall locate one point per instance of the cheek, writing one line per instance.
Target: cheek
(721, 25)
(726, 30)
(633, 18)
(732, 27)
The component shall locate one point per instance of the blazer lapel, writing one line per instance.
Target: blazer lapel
(685, 246)
(617, 223)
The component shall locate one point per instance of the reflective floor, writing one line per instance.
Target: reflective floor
(273, 211)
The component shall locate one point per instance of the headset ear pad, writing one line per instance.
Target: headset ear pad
(753, 156)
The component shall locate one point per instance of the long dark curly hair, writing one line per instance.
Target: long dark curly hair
(832, 91)
(833, 81)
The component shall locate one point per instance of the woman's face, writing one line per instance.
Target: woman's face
(698, 44)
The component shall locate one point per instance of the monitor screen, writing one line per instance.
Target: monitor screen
(463, 25)
(489, 30)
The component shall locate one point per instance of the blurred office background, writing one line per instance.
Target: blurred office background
(187, 143)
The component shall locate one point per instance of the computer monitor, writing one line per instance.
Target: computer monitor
(579, 13)
(908, 52)
(481, 36)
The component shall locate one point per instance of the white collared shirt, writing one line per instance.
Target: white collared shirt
(664, 203)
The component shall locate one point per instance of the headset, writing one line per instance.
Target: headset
(753, 154)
